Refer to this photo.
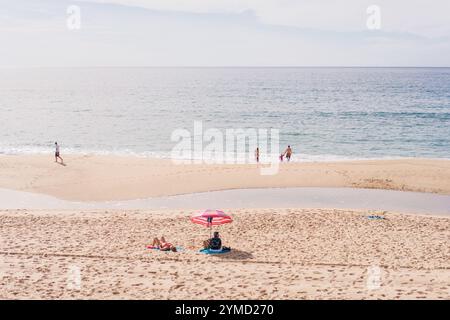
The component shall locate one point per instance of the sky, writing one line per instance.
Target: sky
(224, 33)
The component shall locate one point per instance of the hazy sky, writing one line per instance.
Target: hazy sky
(224, 33)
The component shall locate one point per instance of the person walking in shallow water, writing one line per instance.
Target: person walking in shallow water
(57, 156)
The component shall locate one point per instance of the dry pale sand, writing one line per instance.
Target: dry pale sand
(98, 178)
(281, 253)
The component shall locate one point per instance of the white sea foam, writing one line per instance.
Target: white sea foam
(301, 157)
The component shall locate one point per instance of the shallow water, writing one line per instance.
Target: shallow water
(338, 198)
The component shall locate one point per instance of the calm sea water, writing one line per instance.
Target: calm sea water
(324, 113)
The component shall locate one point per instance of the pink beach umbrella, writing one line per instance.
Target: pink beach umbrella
(209, 218)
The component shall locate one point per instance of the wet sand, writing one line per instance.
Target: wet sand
(113, 178)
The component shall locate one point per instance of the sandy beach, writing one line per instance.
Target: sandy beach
(279, 254)
(103, 178)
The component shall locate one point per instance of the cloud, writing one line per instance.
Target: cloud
(407, 16)
(217, 33)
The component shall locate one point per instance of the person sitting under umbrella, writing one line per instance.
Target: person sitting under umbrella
(215, 243)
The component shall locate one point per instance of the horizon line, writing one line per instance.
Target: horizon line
(218, 66)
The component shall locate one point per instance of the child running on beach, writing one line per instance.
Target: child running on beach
(257, 154)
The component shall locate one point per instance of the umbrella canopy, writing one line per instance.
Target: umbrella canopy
(211, 217)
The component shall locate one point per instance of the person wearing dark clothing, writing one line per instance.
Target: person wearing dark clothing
(215, 243)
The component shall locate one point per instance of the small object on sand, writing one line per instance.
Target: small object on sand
(375, 217)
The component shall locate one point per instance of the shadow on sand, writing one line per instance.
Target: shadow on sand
(235, 254)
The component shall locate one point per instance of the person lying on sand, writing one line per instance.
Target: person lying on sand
(215, 243)
(163, 245)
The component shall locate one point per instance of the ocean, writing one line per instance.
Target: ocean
(325, 114)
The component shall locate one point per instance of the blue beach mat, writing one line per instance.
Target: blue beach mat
(210, 251)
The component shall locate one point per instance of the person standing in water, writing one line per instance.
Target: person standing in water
(57, 156)
(257, 154)
(288, 153)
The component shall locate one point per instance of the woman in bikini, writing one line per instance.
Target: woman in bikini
(163, 245)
